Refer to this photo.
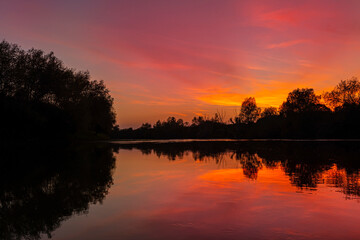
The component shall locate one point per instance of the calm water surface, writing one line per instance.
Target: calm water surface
(188, 190)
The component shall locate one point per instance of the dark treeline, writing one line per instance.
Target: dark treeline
(40, 97)
(334, 114)
(43, 185)
(307, 163)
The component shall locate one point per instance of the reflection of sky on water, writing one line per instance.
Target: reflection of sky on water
(154, 198)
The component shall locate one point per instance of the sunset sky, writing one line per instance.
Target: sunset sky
(186, 58)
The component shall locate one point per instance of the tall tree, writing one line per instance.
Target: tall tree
(300, 101)
(249, 112)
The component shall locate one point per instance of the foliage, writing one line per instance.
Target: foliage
(345, 94)
(37, 90)
(300, 101)
(269, 111)
(249, 112)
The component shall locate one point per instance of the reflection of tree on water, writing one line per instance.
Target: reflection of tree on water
(349, 183)
(303, 175)
(250, 163)
(306, 163)
(41, 188)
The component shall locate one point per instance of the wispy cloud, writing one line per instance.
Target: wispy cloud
(287, 43)
(177, 113)
(156, 65)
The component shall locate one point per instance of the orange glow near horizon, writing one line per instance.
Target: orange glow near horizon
(187, 58)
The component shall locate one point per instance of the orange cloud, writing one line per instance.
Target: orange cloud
(223, 99)
(176, 113)
(199, 114)
(263, 98)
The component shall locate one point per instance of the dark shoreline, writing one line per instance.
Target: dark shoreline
(177, 140)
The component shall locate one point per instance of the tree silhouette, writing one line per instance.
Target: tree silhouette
(302, 100)
(345, 94)
(269, 111)
(249, 112)
(38, 92)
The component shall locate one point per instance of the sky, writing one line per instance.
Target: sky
(191, 58)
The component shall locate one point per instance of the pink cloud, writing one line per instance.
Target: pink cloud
(172, 56)
(287, 44)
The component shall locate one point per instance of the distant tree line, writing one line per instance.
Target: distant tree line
(334, 114)
(40, 97)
